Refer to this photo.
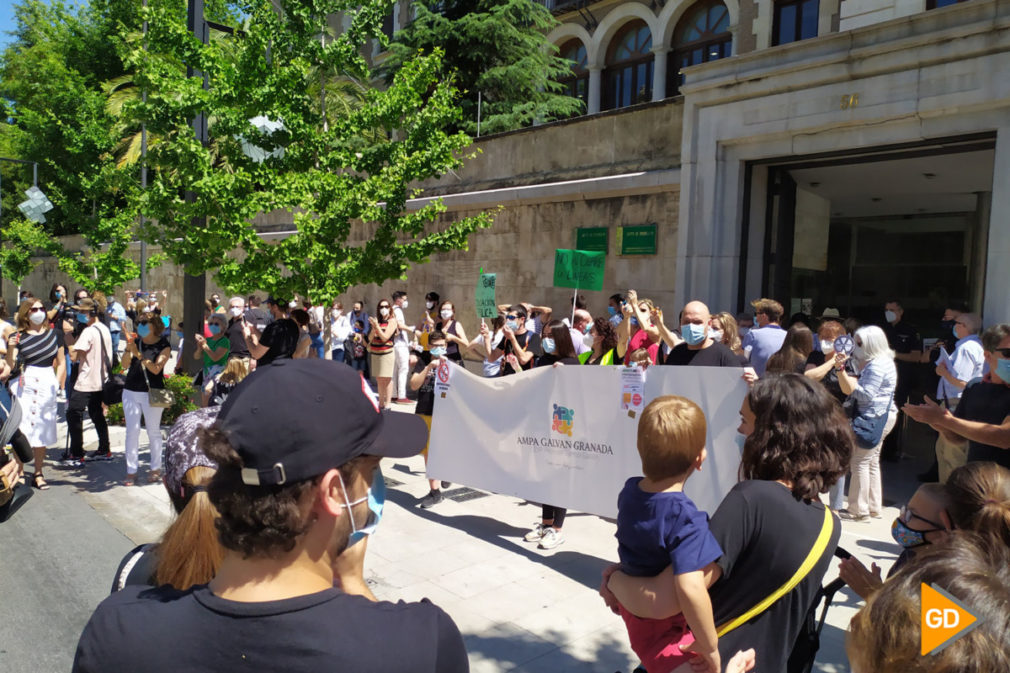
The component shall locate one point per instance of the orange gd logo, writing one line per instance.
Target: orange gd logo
(944, 619)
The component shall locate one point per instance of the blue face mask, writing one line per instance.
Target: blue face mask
(1003, 370)
(953, 328)
(585, 330)
(376, 498)
(83, 318)
(215, 329)
(548, 344)
(693, 334)
(512, 325)
(611, 311)
(438, 351)
(143, 330)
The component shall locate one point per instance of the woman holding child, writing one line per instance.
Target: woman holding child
(772, 524)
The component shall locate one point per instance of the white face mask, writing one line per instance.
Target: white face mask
(404, 304)
(429, 305)
(37, 318)
(446, 313)
(827, 347)
(383, 312)
(235, 311)
(715, 335)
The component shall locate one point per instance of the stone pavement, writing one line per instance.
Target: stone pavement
(519, 608)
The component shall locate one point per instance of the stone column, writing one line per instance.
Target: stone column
(594, 89)
(997, 271)
(659, 72)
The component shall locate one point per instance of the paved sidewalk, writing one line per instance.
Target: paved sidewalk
(519, 608)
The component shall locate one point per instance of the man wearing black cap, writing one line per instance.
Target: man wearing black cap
(297, 499)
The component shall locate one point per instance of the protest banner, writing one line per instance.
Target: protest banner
(485, 296)
(579, 269)
(565, 436)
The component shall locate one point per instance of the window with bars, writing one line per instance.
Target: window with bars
(794, 20)
(702, 35)
(627, 78)
(577, 84)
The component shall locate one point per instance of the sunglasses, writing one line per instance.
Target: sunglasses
(906, 515)
(1003, 353)
(511, 317)
(148, 322)
(36, 309)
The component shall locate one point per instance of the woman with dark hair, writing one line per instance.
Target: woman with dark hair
(39, 350)
(144, 363)
(304, 348)
(791, 358)
(453, 331)
(770, 524)
(556, 342)
(380, 349)
(604, 343)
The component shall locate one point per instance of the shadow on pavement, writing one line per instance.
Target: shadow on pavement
(517, 650)
(582, 568)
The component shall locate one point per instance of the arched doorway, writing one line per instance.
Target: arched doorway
(577, 84)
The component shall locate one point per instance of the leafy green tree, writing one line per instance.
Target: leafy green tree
(498, 48)
(344, 178)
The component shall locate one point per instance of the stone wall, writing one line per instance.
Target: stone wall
(520, 249)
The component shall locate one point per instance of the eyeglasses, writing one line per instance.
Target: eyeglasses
(1003, 353)
(906, 515)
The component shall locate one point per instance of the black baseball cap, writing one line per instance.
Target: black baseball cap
(295, 419)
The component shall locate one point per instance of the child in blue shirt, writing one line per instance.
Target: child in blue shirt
(658, 526)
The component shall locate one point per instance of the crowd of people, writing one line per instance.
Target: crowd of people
(272, 525)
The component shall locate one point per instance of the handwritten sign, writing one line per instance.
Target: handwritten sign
(484, 299)
(579, 269)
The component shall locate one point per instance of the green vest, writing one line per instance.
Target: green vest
(607, 359)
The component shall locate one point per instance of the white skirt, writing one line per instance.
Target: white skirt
(36, 391)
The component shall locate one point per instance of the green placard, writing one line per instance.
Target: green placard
(578, 269)
(592, 239)
(638, 240)
(486, 307)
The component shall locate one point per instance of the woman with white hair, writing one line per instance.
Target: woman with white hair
(874, 414)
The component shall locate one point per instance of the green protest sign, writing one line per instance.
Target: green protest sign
(484, 300)
(579, 269)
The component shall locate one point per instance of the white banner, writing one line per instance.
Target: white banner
(566, 436)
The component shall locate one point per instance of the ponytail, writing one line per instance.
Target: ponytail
(980, 499)
(189, 552)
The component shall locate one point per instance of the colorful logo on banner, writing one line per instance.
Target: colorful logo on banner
(564, 420)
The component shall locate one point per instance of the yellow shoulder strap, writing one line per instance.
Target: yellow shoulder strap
(823, 539)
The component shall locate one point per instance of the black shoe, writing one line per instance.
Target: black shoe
(100, 455)
(446, 484)
(433, 498)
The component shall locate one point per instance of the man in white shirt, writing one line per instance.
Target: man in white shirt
(92, 351)
(401, 348)
(963, 365)
(340, 330)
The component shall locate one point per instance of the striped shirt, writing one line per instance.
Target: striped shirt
(38, 350)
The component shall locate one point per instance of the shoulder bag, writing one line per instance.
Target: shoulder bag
(112, 387)
(157, 397)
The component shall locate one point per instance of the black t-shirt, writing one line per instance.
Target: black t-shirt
(765, 534)
(165, 631)
(985, 403)
(426, 393)
(716, 355)
(236, 338)
(258, 318)
(904, 338)
(830, 380)
(135, 376)
(529, 342)
(549, 359)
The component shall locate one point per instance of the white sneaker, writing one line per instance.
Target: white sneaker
(536, 534)
(551, 539)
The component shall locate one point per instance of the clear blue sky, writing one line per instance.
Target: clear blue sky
(6, 21)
